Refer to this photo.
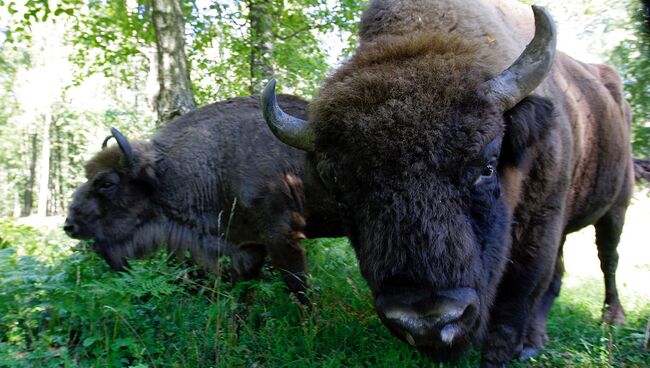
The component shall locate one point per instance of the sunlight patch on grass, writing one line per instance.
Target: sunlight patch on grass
(633, 274)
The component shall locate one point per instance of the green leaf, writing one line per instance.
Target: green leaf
(88, 341)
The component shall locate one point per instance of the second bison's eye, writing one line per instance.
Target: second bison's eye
(107, 187)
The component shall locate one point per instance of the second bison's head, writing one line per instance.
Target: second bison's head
(418, 140)
(115, 201)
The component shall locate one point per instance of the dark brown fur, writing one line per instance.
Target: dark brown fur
(213, 182)
(404, 130)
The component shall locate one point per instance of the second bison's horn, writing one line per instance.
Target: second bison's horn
(290, 130)
(124, 144)
(532, 66)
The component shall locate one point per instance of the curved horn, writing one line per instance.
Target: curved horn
(290, 130)
(532, 66)
(105, 143)
(124, 144)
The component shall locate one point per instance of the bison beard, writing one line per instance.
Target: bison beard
(213, 182)
(459, 181)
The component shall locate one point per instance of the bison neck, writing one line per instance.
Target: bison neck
(204, 248)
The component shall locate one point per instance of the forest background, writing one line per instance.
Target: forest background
(70, 69)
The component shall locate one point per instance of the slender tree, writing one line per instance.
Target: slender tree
(44, 165)
(262, 42)
(175, 95)
(28, 196)
(645, 14)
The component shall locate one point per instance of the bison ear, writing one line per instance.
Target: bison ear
(526, 124)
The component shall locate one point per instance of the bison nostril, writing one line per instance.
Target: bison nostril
(69, 229)
(409, 338)
(448, 333)
(439, 318)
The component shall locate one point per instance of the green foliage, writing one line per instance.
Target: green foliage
(632, 59)
(114, 39)
(61, 306)
(11, 165)
(300, 29)
(75, 311)
(110, 50)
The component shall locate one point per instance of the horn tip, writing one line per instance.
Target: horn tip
(270, 87)
(544, 19)
(268, 94)
(115, 132)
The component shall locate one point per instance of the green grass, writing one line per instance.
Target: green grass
(60, 306)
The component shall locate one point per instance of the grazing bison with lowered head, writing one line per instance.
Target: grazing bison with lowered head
(461, 160)
(212, 182)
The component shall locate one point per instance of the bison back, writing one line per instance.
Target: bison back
(219, 154)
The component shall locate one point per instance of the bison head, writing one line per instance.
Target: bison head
(421, 143)
(115, 200)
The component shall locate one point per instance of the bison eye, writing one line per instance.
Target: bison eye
(107, 185)
(488, 170)
(486, 175)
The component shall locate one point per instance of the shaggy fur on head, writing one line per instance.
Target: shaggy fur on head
(128, 224)
(394, 92)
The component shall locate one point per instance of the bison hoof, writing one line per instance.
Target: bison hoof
(613, 315)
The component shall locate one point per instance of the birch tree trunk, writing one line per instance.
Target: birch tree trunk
(28, 197)
(262, 41)
(44, 166)
(59, 204)
(175, 96)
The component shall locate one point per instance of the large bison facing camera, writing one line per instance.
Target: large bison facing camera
(461, 161)
(212, 182)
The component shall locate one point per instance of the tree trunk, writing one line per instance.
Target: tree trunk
(59, 204)
(175, 94)
(28, 198)
(646, 17)
(44, 167)
(262, 42)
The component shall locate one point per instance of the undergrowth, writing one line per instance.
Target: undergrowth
(61, 306)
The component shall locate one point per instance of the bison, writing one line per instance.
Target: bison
(212, 182)
(461, 163)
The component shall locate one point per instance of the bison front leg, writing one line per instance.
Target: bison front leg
(288, 257)
(536, 335)
(526, 279)
(247, 262)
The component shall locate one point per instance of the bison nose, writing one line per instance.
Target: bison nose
(70, 227)
(438, 318)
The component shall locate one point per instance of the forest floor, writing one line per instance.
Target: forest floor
(60, 305)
